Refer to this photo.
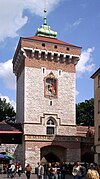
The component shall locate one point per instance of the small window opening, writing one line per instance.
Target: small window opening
(55, 46)
(67, 48)
(60, 72)
(50, 103)
(43, 70)
(43, 44)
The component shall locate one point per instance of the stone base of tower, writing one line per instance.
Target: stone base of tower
(53, 149)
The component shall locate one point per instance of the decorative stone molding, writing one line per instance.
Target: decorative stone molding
(56, 56)
(51, 138)
(19, 60)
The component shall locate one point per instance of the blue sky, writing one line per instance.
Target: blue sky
(76, 22)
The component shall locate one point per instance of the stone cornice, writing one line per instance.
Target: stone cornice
(52, 138)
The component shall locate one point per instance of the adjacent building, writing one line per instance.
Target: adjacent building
(96, 77)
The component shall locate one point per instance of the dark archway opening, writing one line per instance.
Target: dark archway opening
(50, 157)
(87, 157)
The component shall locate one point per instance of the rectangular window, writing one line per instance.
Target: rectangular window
(43, 70)
(99, 106)
(50, 130)
(99, 81)
(59, 72)
(50, 103)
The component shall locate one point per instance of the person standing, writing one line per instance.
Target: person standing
(92, 173)
(12, 170)
(28, 171)
(40, 171)
(9, 171)
(77, 170)
(19, 169)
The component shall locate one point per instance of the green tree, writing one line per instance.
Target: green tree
(7, 112)
(85, 113)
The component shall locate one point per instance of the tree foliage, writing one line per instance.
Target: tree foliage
(7, 112)
(85, 113)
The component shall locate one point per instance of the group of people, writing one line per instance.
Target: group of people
(90, 172)
(13, 169)
(56, 170)
(59, 171)
(50, 171)
(16, 168)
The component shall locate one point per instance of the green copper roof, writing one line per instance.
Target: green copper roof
(45, 30)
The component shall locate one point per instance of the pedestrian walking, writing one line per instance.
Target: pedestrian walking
(28, 170)
(19, 169)
(13, 171)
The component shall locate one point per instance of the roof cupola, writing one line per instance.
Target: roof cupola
(45, 30)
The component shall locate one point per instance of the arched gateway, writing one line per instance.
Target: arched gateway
(53, 153)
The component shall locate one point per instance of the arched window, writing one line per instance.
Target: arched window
(50, 127)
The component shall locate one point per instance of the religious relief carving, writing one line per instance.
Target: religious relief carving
(50, 86)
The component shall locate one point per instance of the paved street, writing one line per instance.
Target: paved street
(33, 176)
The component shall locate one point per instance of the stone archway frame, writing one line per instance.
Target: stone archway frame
(53, 152)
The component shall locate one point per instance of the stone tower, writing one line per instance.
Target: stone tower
(45, 68)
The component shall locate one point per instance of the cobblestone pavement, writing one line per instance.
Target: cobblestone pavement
(33, 176)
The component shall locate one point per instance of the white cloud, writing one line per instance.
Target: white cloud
(12, 102)
(85, 63)
(77, 22)
(11, 14)
(74, 25)
(6, 73)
